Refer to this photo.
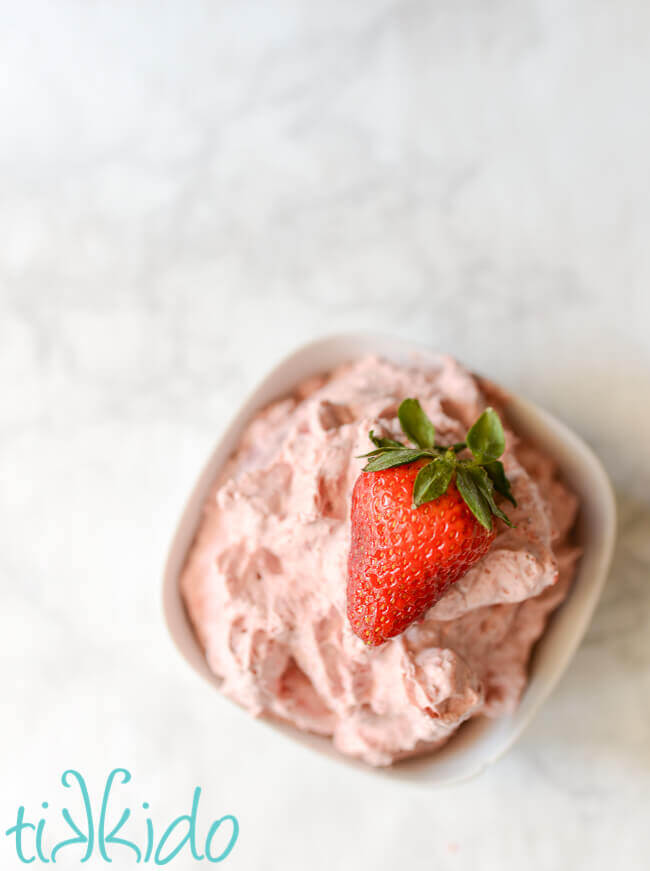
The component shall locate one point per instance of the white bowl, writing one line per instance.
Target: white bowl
(481, 741)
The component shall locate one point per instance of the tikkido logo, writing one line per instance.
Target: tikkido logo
(98, 838)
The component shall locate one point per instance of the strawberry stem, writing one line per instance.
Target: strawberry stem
(476, 478)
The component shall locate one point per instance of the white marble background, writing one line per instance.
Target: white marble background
(189, 189)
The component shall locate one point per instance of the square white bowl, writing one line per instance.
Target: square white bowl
(481, 741)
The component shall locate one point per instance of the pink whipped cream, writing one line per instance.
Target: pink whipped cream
(264, 583)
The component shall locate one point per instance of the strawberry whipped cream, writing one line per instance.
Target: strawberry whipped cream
(265, 580)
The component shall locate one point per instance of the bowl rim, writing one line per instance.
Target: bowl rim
(481, 741)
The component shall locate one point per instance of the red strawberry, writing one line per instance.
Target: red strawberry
(403, 559)
(414, 532)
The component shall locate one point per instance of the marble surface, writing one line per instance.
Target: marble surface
(188, 190)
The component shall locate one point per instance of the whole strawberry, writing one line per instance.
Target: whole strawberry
(421, 517)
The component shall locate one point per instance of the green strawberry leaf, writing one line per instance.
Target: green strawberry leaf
(471, 491)
(386, 450)
(484, 484)
(432, 480)
(500, 480)
(486, 439)
(415, 424)
(383, 442)
(388, 459)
